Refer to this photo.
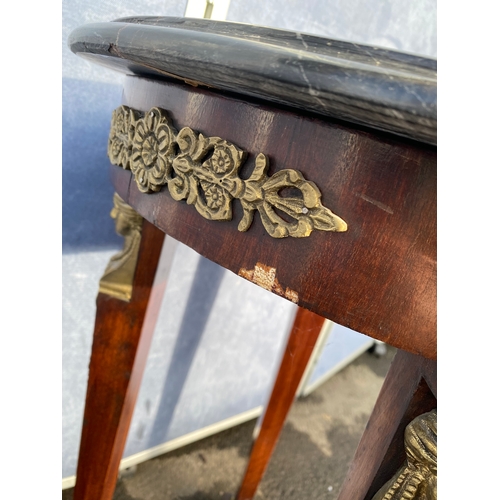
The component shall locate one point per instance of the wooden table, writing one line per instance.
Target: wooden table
(303, 164)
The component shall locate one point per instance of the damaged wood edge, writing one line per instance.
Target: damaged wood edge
(265, 277)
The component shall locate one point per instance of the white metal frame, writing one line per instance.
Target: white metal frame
(192, 437)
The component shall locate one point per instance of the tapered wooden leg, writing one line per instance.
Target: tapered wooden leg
(122, 336)
(409, 390)
(302, 339)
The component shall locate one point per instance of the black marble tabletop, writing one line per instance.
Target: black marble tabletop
(374, 87)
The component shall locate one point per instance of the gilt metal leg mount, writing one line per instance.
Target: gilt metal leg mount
(417, 478)
(118, 276)
(122, 336)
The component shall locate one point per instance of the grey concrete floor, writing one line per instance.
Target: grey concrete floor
(310, 461)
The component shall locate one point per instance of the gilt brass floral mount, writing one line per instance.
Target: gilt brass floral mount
(204, 171)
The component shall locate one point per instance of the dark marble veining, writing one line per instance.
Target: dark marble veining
(383, 89)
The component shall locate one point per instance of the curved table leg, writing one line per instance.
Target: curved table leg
(122, 336)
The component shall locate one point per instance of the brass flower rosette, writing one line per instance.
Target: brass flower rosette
(204, 171)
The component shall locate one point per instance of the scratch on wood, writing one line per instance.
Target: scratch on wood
(385, 208)
(265, 277)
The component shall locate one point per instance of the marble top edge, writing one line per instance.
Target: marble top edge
(249, 31)
(375, 87)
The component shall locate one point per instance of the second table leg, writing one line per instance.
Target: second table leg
(301, 341)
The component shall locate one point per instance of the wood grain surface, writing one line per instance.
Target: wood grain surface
(379, 277)
(119, 354)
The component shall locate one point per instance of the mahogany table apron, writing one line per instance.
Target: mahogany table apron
(330, 205)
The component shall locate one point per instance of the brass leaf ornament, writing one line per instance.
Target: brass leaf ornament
(204, 171)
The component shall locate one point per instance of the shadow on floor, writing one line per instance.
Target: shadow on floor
(310, 461)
